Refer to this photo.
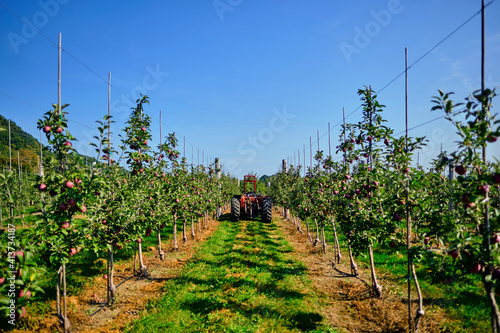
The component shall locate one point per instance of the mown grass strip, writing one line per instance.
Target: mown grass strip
(243, 279)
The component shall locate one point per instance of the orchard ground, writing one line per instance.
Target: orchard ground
(288, 285)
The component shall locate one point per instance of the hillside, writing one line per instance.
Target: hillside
(21, 141)
(25, 143)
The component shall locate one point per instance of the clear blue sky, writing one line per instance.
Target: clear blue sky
(247, 81)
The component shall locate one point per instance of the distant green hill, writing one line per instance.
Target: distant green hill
(26, 144)
(21, 141)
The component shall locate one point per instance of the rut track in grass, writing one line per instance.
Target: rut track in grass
(245, 278)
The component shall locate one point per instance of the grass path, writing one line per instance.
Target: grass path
(243, 279)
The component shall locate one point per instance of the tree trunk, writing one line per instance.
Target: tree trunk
(176, 247)
(316, 241)
(62, 308)
(142, 268)
(58, 292)
(111, 272)
(308, 232)
(354, 267)
(495, 314)
(338, 255)
(161, 254)
(324, 238)
(420, 310)
(184, 236)
(377, 289)
(192, 228)
(297, 223)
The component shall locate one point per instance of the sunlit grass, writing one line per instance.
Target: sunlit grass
(241, 280)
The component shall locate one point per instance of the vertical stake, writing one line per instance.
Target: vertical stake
(343, 119)
(329, 142)
(109, 118)
(408, 220)
(298, 157)
(10, 149)
(304, 160)
(59, 79)
(310, 152)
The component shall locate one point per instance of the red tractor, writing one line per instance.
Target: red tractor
(250, 205)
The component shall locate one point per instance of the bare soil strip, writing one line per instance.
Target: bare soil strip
(350, 307)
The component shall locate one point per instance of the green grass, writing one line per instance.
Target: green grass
(243, 279)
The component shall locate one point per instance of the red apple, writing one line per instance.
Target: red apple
(466, 198)
(63, 206)
(476, 268)
(491, 138)
(68, 144)
(495, 239)
(82, 209)
(19, 255)
(347, 177)
(46, 129)
(69, 184)
(71, 202)
(145, 142)
(59, 130)
(2, 279)
(139, 240)
(460, 169)
(406, 170)
(484, 189)
(143, 129)
(105, 276)
(72, 251)
(386, 141)
(427, 240)
(454, 253)
(65, 225)
(21, 314)
(103, 221)
(177, 200)
(397, 217)
(42, 187)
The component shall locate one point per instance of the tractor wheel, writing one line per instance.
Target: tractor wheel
(267, 210)
(235, 209)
